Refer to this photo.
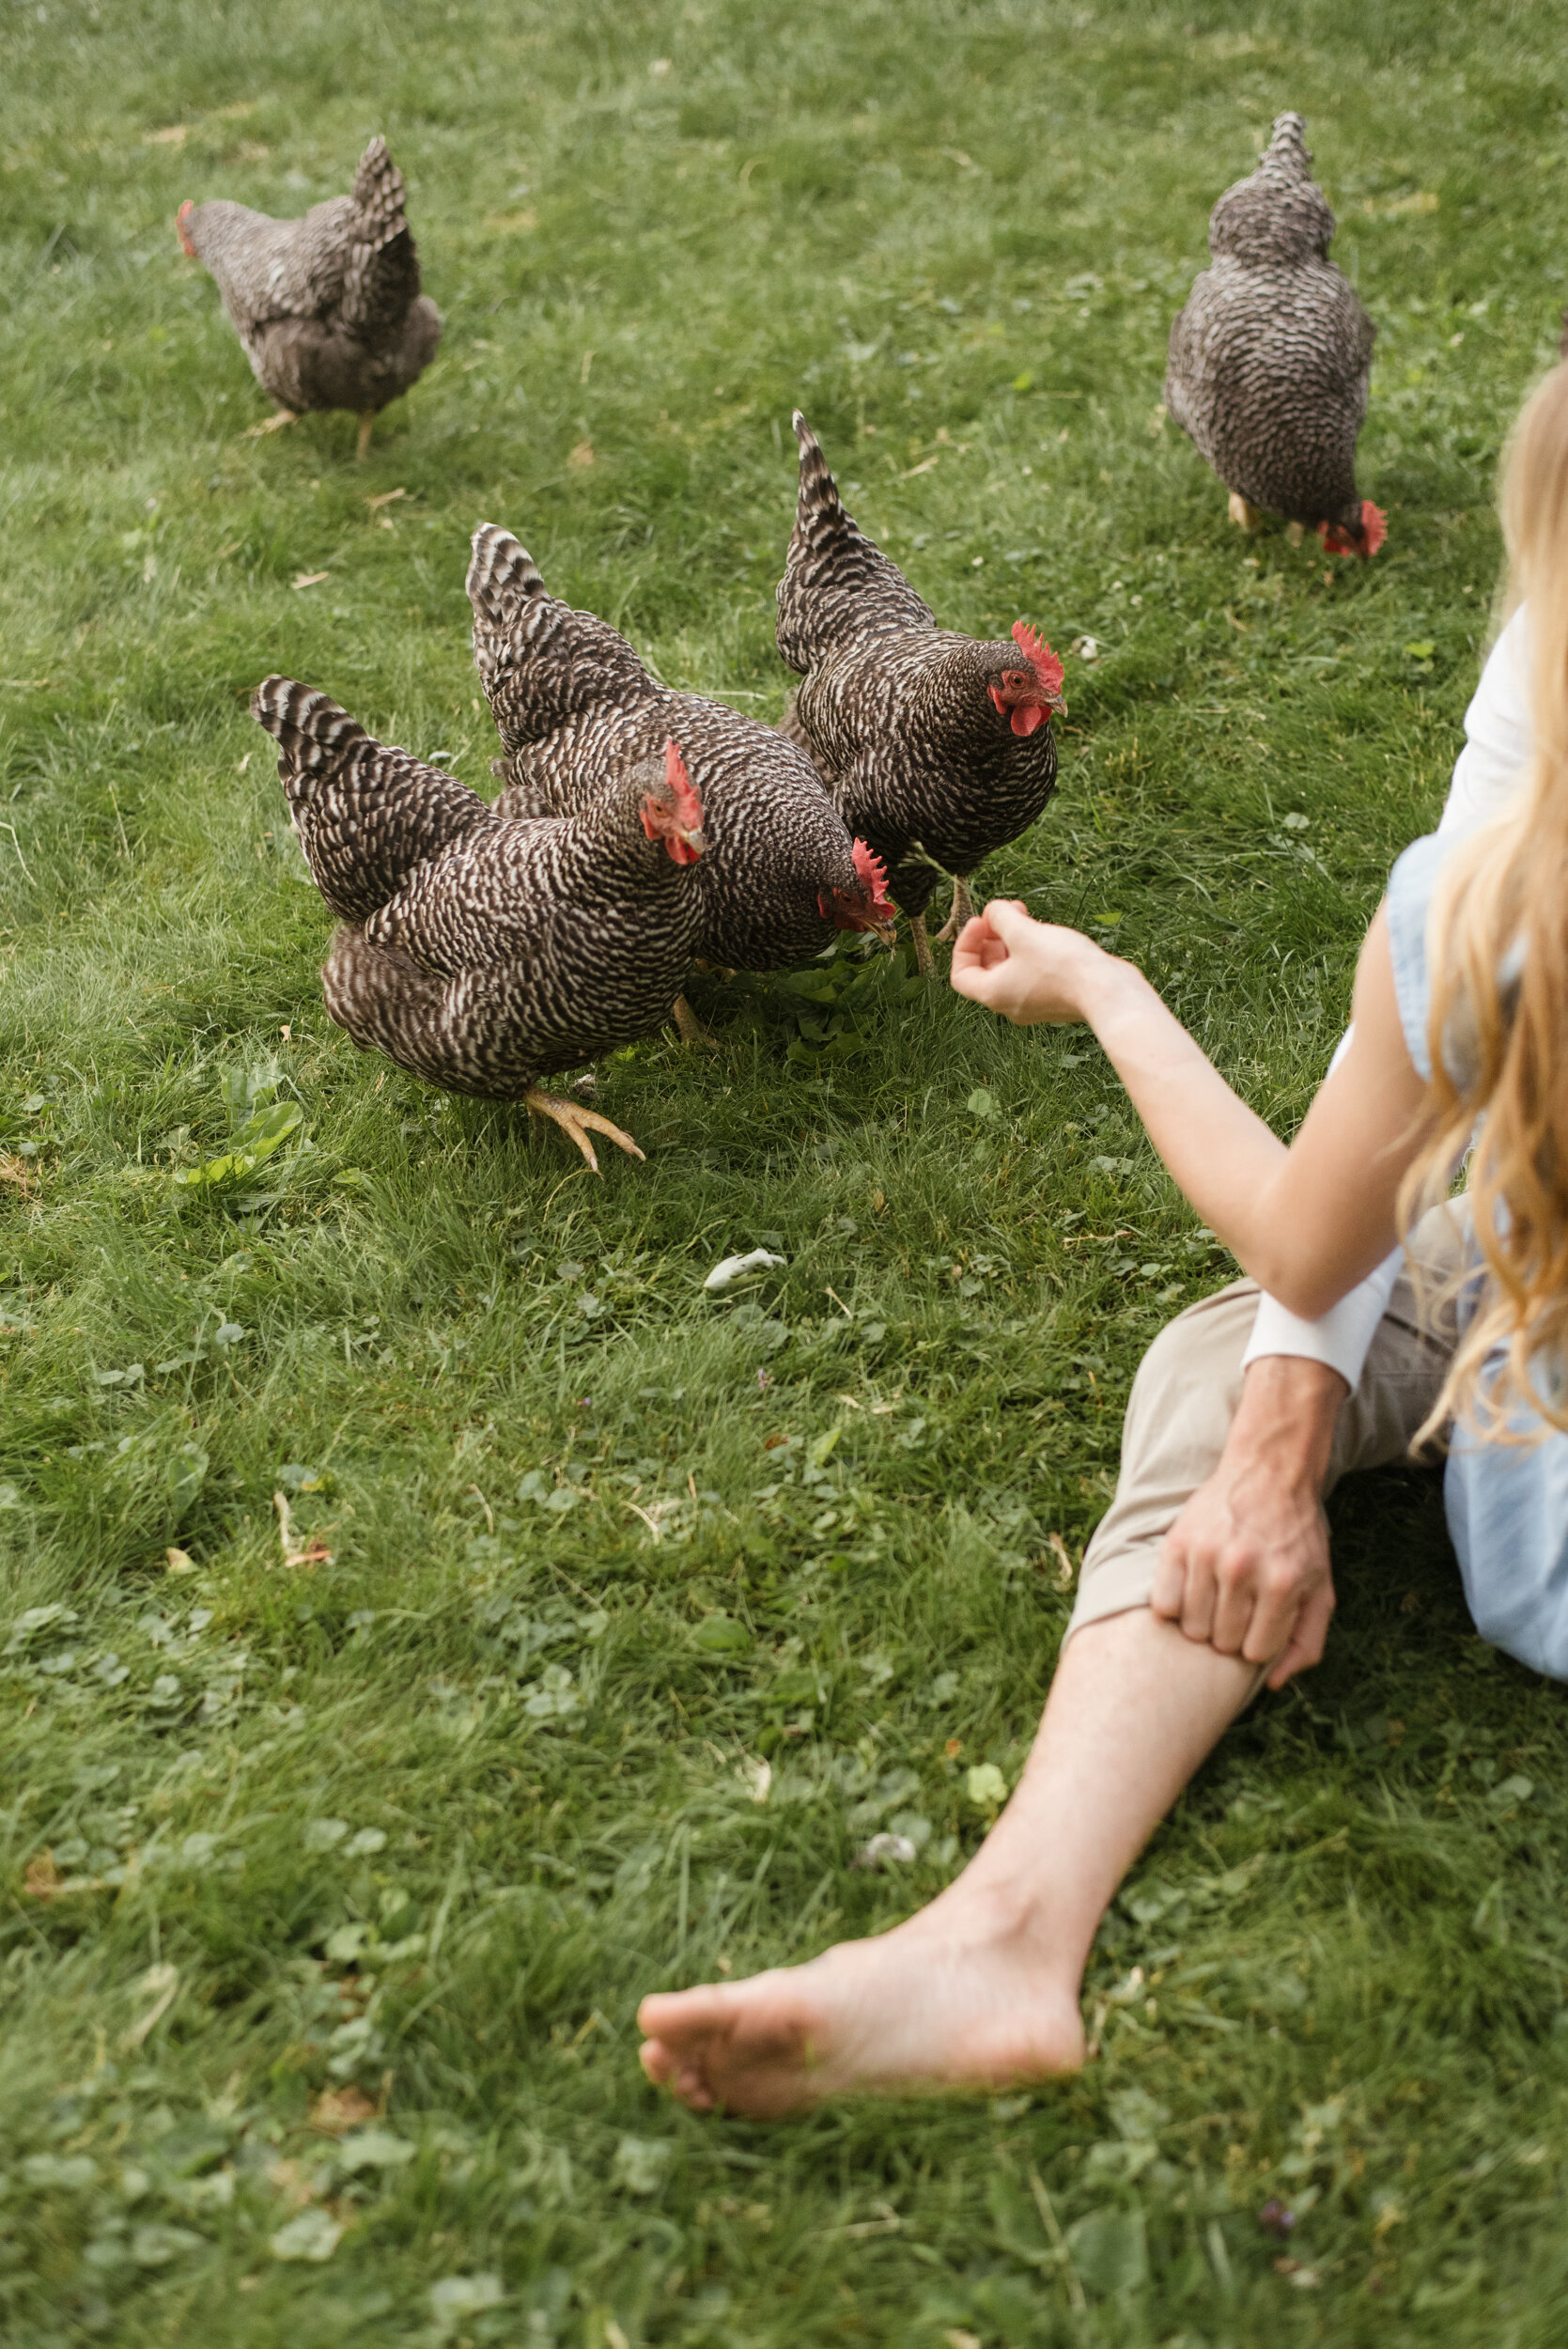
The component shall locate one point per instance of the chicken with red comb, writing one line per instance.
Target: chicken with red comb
(572, 701)
(1271, 358)
(327, 307)
(482, 951)
(938, 748)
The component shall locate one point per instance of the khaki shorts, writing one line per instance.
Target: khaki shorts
(1184, 1397)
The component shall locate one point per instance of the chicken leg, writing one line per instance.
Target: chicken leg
(963, 911)
(1247, 517)
(366, 424)
(689, 1027)
(573, 1118)
(273, 424)
(924, 961)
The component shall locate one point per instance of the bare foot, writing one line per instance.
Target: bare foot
(948, 2000)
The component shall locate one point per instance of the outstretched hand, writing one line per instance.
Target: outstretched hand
(1031, 971)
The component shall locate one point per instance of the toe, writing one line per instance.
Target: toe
(675, 2016)
(657, 2061)
(692, 2089)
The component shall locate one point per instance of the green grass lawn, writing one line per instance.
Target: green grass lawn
(416, 1822)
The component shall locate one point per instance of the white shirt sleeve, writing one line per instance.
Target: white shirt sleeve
(1496, 735)
(1488, 769)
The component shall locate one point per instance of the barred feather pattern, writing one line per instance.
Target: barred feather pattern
(572, 702)
(896, 710)
(327, 307)
(366, 814)
(480, 951)
(1270, 359)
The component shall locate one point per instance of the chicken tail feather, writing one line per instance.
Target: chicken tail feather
(836, 577)
(311, 731)
(818, 489)
(366, 812)
(380, 194)
(503, 577)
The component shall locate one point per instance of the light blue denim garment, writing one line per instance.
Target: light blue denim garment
(1507, 1504)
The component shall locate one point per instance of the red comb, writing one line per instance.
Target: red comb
(872, 871)
(1039, 654)
(1374, 529)
(688, 805)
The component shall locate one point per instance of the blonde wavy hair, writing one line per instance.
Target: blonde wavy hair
(1499, 954)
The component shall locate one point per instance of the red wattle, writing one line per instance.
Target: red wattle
(1028, 718)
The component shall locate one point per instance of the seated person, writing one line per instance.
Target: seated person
(1461, 994)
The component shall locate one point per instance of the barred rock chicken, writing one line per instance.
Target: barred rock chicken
(572, 701)
(938, 748)
(483, 951)
(1269, 361)
(328, 307)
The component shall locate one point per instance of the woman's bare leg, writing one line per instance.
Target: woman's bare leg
(982, 1987)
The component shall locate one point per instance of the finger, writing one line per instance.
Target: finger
(977, 948)
(968, 975)
(1274, 1619)
(1010, 917)
(1197, 1597)
(1235, 1605)
(1170, 1583)
(1307, 1638)
(972, 935)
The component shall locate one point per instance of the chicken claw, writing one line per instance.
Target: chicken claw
(273, 424)
(925, 962)
(963, 911)
(573, 1118)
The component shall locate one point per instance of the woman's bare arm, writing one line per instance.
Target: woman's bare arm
(1307, 1222)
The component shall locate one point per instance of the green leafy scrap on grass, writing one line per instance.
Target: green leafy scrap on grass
(636, 1634)
(259, 1129)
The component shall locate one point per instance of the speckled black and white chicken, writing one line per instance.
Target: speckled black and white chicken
(1269, 361)
(938, 748)
(571, 699)
(328, 307)
(482, 951)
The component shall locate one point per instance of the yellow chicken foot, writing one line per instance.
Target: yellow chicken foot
(924, 961)
(573, 1118)
(1295, 533)
(366, 424)
(963, 911)
(1245, 517)
(689, 1028)
(273, 424)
